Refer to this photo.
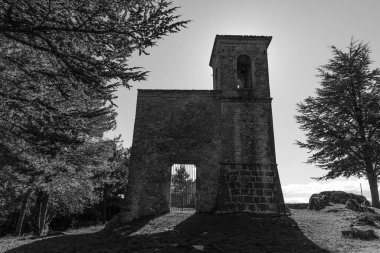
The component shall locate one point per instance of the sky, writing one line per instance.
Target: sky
(302, 31)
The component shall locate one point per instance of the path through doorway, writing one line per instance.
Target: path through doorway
(183, 187)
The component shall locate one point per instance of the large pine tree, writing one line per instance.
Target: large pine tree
(60, 63)
(342, 120)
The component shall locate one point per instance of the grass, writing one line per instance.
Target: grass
(85, 230)
(304, 231)
(11, 242)
(324, 229)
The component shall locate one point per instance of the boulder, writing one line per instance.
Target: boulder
(360, 199)
(360, 234)
(325, 200)
(323, 197)
(367, 219)
(317, 202)
(327, 194)
(353, 205)
(341, 197)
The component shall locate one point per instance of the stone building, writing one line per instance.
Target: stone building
(227, 133)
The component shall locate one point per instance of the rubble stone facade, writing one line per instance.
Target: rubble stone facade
(227, 133)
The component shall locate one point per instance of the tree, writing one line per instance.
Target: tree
(115, 180)
(343, 120)
(88, 42)
(55, 51)
(180, 179)
(40, 127)
(60, 63)
(69, 182)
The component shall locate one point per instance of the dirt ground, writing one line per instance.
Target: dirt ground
(303, 231)
(324, 229)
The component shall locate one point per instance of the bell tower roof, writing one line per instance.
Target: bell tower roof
(246, 39)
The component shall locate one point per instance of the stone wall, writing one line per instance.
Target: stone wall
(247, 133)
(248, 171)
(173, 126)
(249, 188)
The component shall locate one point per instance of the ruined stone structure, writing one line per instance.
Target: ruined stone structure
(226, 132)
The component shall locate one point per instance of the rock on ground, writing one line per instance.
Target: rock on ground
(367, 219)
(360, 234)
(318, 202)
(353, 205)
(341, 197)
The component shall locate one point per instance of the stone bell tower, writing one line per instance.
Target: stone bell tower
(248, 169)
(226, 133)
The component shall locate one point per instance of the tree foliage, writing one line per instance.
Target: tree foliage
(53, 51)
(180, 179)
(89, 42)
(60, 63)
(343, 120)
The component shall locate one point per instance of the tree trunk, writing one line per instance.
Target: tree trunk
(372, 180)
(44, 225)
(36, 214)
(41, 226)
(104, 220)
(21, 215)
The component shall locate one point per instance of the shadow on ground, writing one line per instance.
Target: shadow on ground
(197, 233)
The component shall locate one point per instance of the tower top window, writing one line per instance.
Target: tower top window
(244, 72)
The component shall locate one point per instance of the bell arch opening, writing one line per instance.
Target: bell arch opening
(244, 72)
(183, 187)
